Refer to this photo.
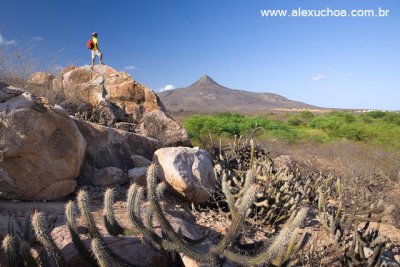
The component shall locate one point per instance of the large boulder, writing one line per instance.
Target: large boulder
(85, 84)
(109, 147)
(41, 148)
(46, 85)
(82, 85)
(158, 125)
(188, 171)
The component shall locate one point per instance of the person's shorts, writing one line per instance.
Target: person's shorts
(94, 53)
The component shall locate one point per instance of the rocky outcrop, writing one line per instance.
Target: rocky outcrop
(188, 171)
(41, 148)
(41, 78)
(108, 97)
(109, 147)
(46, 85)
(158, 125)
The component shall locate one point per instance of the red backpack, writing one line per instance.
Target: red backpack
(90, 44)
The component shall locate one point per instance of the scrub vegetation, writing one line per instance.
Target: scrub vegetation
(376, 127)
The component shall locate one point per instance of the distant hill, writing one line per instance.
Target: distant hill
(206, 95)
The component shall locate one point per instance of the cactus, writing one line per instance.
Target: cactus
(8, 245)
(175, 243)
(279, 192)
(42, 235)
(286, 235)
(80, 246)
(83, 204)
(112, 226)
(25, 250)
(100, 253)
(334, 220)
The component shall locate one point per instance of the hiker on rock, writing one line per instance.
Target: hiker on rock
(93, 45)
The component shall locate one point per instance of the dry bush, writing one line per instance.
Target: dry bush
(18, 61)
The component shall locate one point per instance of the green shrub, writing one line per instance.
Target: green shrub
(295, 121)
(307, 115)
(376, 114)
(377, 127)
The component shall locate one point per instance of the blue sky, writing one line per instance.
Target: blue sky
(330, 62)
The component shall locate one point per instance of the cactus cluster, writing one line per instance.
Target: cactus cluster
(277, 253)
(345, 213)
(279, 192)
(351, 226)
(18, 247)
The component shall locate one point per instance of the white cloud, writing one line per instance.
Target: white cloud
(4, 41)
(319, 77)
(130, 67)
(167, 87)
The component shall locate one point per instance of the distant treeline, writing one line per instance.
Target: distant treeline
(375, 127)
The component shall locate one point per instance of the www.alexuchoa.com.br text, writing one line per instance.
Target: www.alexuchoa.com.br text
(327, 12)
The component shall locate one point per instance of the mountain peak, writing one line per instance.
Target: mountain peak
(205, 82)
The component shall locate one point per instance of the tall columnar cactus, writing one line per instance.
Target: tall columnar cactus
(112, 226)
(78, 243)
(8, 245)
(84, 208)
(83, 204)
(100, 253)
(43, 236)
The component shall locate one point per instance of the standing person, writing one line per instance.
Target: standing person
(96, 50)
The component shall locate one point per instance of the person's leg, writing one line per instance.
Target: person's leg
(101, 57)
(93, 56)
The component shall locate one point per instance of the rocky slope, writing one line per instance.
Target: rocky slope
(206, 95)
(85, 125)
(110, 98)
